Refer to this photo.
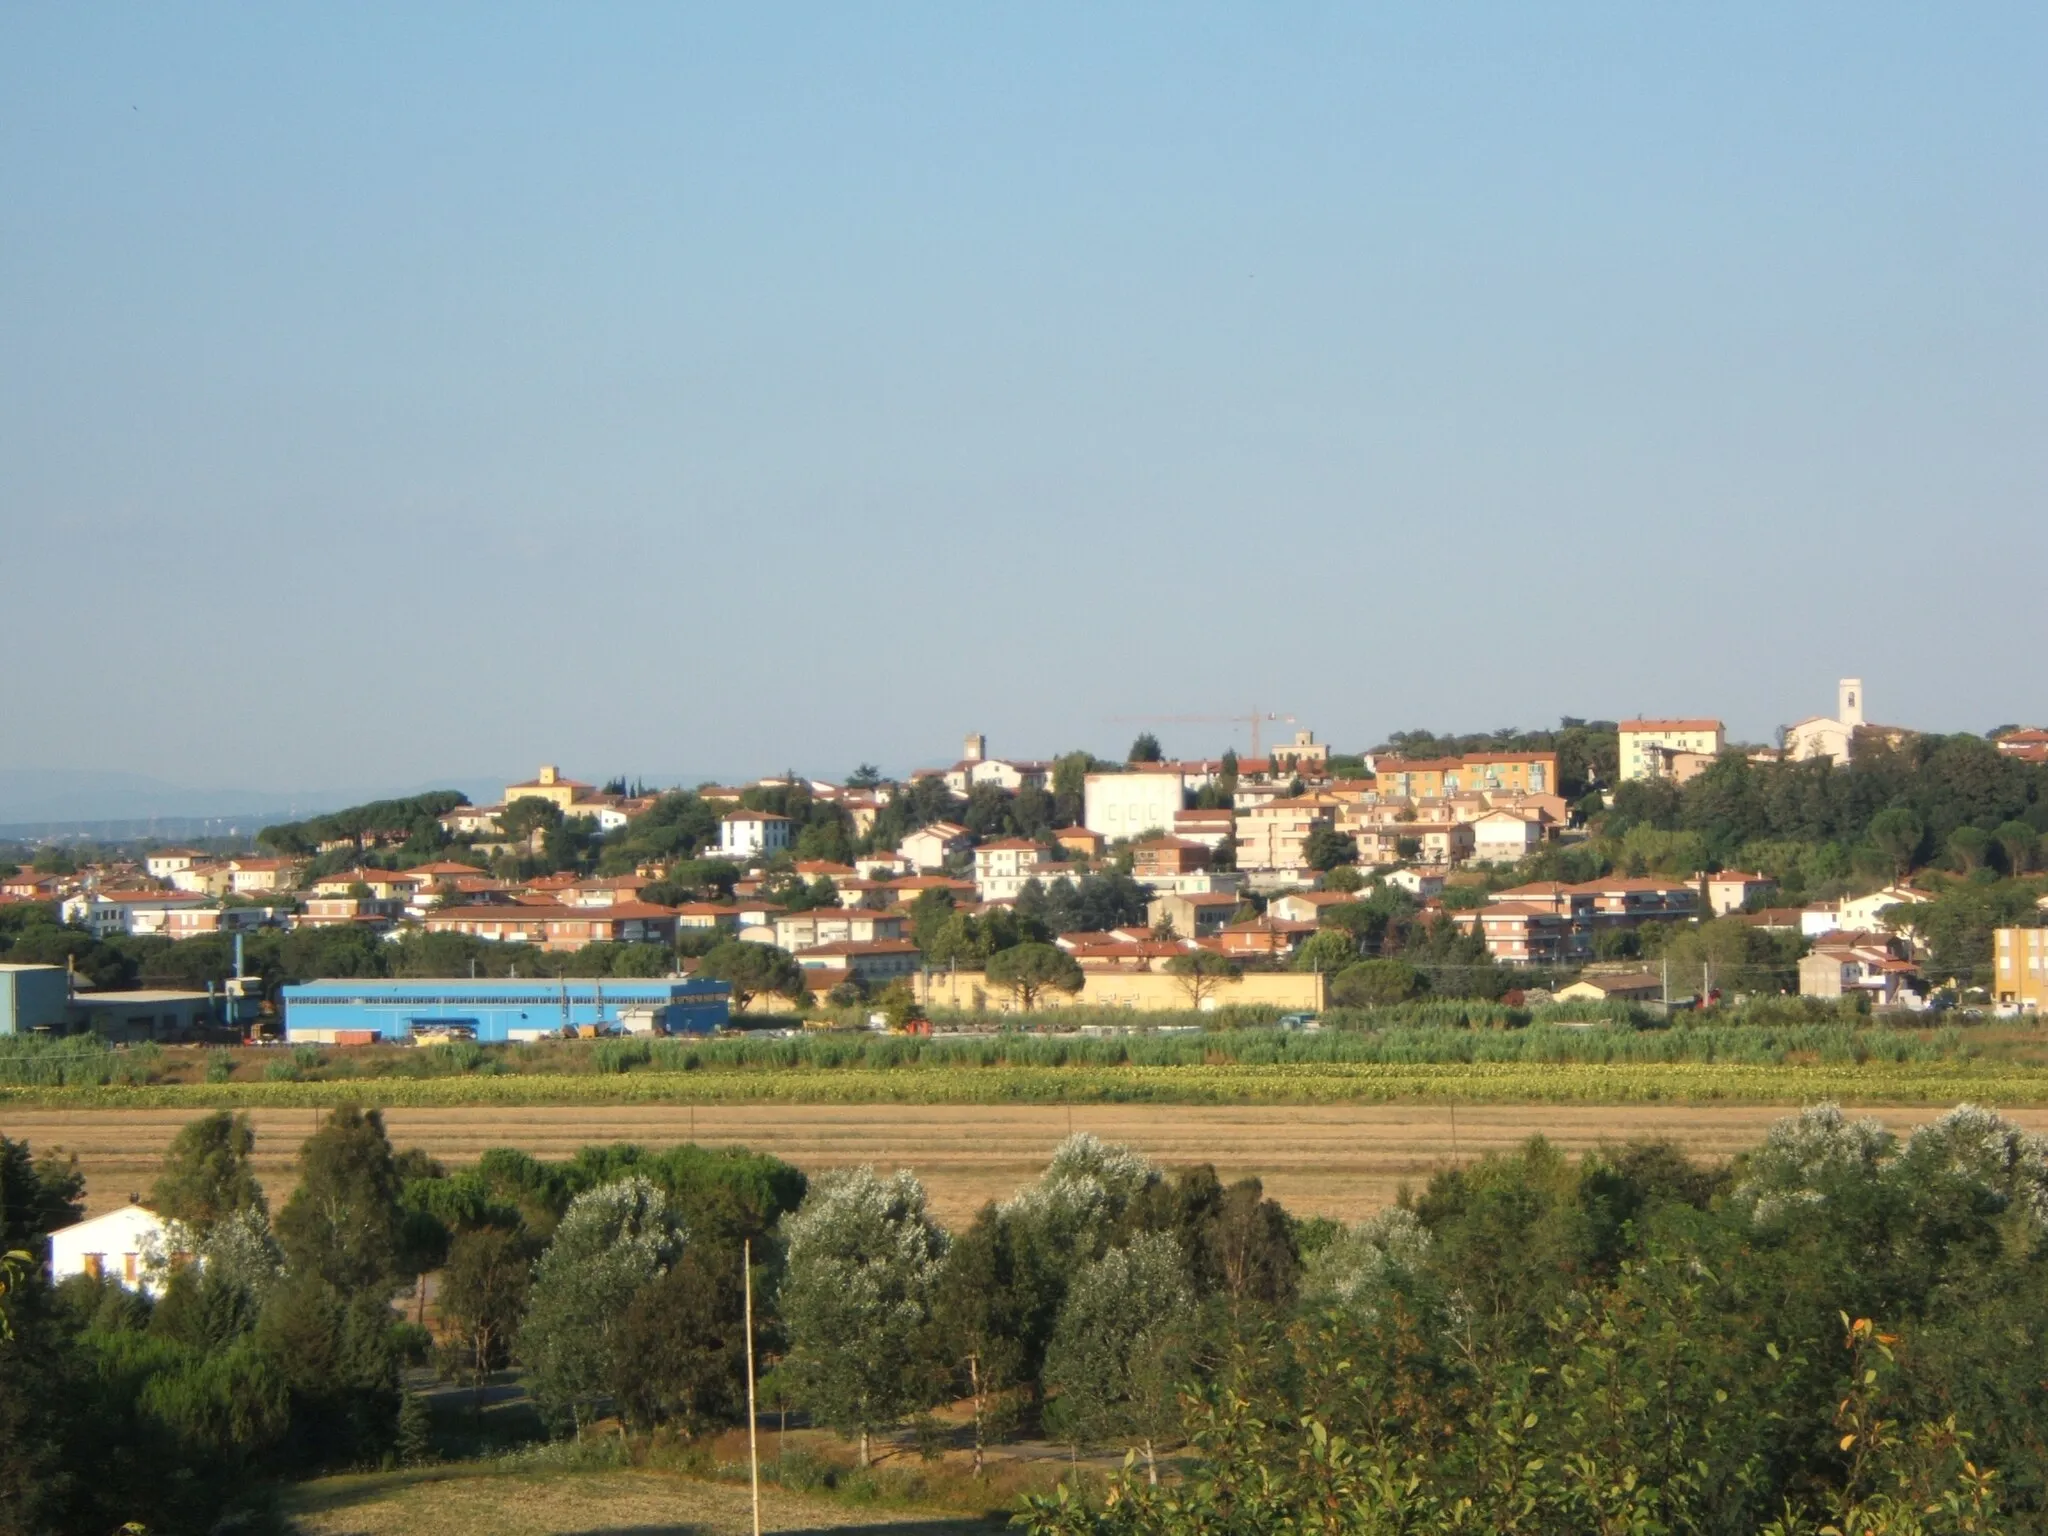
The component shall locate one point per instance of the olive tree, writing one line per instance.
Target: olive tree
(863, 1268)
(1116, 1354)
(611, 1241)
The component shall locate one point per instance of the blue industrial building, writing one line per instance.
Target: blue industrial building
(358, 1012)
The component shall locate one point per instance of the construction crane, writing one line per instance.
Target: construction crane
(1254, 720)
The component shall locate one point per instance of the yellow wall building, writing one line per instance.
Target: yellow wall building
(549, 786)
(1142, 991)
(2020, 966)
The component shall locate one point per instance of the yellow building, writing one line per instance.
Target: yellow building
(1434, 778)
(2020, 962)
(549, 786)
(1649, 748)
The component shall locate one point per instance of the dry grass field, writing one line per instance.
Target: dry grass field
(467, 1501)
(1341, 1160)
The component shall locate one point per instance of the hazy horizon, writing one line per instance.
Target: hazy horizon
(711, 393)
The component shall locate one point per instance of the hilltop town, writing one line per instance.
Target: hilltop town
(1644, 860)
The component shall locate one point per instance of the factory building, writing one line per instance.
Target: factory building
(360, 1012)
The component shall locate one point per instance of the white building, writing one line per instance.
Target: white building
(1003, 868)
(127, 1245)
(1649, 749)
(1127, 804)
(930, 847)
(1505, 837)
(1423, 884)
(166, 862)
(1821, 736)
(744, 835)
(106, 913)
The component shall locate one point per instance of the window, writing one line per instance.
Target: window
(130, 1267)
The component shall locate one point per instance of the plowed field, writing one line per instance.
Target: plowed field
(1340, 1160)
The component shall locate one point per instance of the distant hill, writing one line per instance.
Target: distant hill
(48, 802)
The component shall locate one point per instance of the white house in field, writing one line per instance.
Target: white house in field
(128, 1244)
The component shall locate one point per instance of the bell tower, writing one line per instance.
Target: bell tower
(1849, 702)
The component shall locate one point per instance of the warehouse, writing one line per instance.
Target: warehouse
(359, 1012)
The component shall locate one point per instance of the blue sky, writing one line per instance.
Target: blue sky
(402, 393)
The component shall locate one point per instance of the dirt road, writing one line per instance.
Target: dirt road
(1341, 1160)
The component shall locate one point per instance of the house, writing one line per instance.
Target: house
(1304, 757)
(1167, 856)
(1505, 837)
(745, 835)
(977, 768)
(1309, 906)
(1848, 965)
(1867, 912)
(2020, 969)
(1732, 891)
(248, 877)
(30, 886)
(1273, 838)
(1081, 841)
(1106, 952)
(1424, 883)
(1264, 937)
(1836, 736)
(548, 785)
(1653, 749)
(1004, 867)
(1525, 933)
(130, 1245)
(105, 913)
(2029, 745)
(882, 866)
(931, 847)
(796, 931)
(1214, 829)
(1632, 987)
(874, 962)
(1433, 778)
(349, 912)
(604, 890)
(549, 925)
(384, 884)
(472, 821)
(1441, 844)
(165, 862)
(1198, 916)
(1143, 801)
(910, 887)
(706, 916)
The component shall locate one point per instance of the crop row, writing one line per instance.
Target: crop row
(1324, 1082)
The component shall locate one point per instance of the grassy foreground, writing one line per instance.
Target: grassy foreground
(1874, 1081)
(479, 1500)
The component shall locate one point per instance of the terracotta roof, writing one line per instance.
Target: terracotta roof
(1008, 842)
(1639, 726)
(745, 815)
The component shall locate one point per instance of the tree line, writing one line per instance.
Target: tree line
(1843, 1329)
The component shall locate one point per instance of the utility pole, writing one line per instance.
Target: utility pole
(753, 1418)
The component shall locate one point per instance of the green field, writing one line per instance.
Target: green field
(1874, 1081)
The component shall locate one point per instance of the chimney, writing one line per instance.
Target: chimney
(975, 748)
